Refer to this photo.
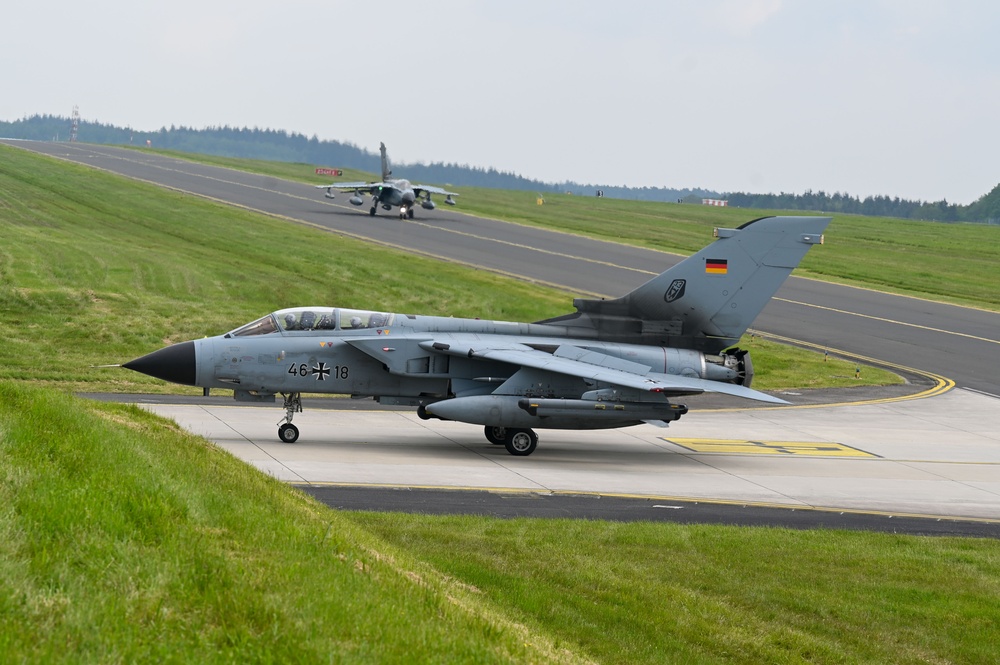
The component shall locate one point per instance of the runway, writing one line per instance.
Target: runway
(934, 456)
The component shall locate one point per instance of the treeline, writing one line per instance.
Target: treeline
(283, 146)
(986, 209)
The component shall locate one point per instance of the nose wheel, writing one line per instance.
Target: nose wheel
(288, 432)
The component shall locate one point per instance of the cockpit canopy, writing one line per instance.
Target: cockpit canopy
(302, 319)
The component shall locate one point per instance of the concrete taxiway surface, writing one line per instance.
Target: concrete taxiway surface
(937, 456)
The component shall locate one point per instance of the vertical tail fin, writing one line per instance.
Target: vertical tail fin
(386, 171)
(708, 300)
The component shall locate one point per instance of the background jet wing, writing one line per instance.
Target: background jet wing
(593, 366)
(349, 186)
(433, 190)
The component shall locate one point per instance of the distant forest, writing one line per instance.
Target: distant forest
(283, 146)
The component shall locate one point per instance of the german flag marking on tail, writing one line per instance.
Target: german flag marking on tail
(716, 266)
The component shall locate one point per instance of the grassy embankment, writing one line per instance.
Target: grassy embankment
(127, 540)
(124, 540)
(96, 269)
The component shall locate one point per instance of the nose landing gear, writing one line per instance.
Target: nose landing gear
(288, 432)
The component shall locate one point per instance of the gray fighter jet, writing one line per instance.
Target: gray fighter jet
(612, 363)
(389, 193)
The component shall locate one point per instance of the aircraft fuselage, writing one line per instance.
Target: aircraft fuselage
(409, 360)
(399, 194)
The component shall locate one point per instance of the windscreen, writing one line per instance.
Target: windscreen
(261, 326)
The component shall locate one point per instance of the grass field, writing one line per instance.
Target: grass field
(124, 539)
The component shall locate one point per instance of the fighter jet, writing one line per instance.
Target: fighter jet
(611, 363)
(389, 193)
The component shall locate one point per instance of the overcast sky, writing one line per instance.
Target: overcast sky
(895, 97)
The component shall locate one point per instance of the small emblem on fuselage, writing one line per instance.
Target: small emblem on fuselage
(675, 290)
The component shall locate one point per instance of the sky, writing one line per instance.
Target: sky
(864, 97)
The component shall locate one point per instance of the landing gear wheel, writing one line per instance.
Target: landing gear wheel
(288, 433)
(409, 213)
(496, 435)
(371, 213)
(520, 442)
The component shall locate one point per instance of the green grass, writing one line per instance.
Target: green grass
(790, 368)
(96, 269)
(125, 539)
(958, 263)
(655, 593)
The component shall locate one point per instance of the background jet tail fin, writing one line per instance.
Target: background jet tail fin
(708, 300)
(386, 171)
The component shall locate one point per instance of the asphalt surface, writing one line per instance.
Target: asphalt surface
(941, 343)
(510, 505)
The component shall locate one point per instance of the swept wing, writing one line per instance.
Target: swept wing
(419, 189)
(573, 361)
(352, 186)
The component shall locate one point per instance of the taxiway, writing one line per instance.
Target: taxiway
(936, 457)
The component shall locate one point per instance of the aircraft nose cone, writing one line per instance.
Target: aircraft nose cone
(174, 363)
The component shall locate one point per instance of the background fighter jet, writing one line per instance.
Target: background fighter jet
(389, 193)
(612, 363)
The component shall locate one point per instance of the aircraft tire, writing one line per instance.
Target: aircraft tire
(409, 213)
(371, 213)
(288, 433)
(496, 435)
(520, 442)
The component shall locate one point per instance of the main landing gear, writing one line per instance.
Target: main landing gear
(288, 432)
(518, 442)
